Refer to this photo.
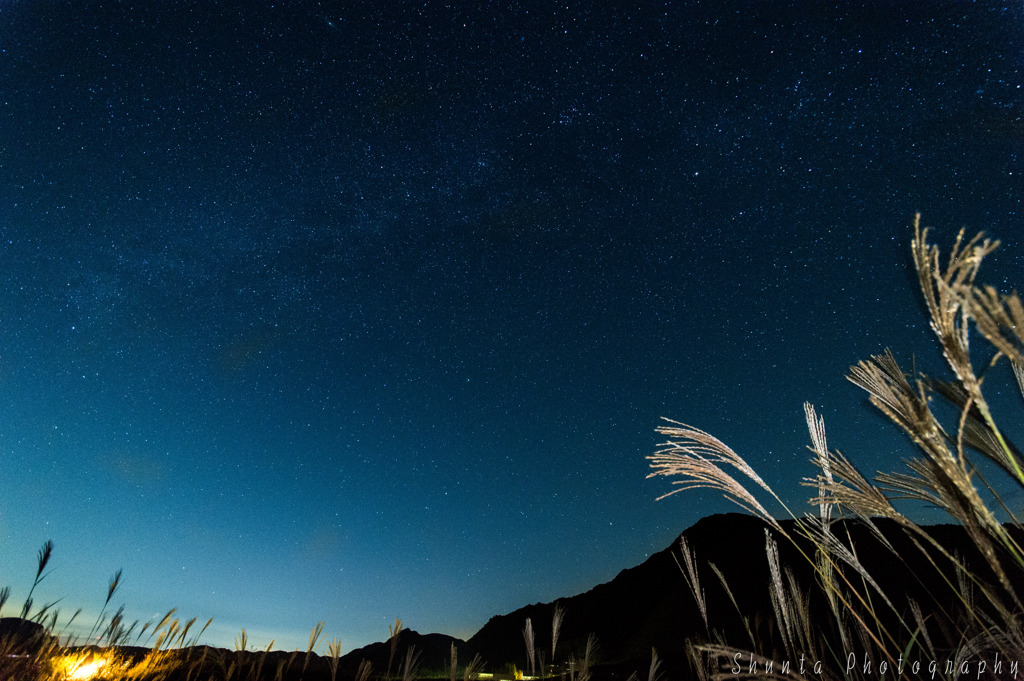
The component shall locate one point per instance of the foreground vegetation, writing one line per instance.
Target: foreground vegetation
(844, 624)
(32, 650)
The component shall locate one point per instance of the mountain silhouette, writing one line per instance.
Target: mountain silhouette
(650, 605)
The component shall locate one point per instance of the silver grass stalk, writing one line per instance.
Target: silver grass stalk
(732, 598)
(781, 604)
(689, 570)
(556, 627)
(334, 656)
(652, 672)
(411, 665)
(699, 460)
(364, 670)
(393, 632)
(531, 650)
(473, 669)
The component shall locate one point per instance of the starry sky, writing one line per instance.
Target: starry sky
(353, 311)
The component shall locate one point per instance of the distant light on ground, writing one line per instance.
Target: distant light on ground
(81, 667)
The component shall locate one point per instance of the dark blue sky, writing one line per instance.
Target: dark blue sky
(318, 313)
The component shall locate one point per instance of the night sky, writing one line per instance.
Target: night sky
(312, 312)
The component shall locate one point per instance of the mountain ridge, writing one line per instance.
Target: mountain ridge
(650, 605)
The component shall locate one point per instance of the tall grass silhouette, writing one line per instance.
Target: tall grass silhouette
(975, 622)
(34, 648)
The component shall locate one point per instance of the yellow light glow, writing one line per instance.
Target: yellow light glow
(81, 667)
(88, 670)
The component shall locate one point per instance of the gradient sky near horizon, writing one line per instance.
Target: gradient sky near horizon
(354, 311)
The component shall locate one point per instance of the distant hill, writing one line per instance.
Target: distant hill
(434, 652)
(642, 607)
